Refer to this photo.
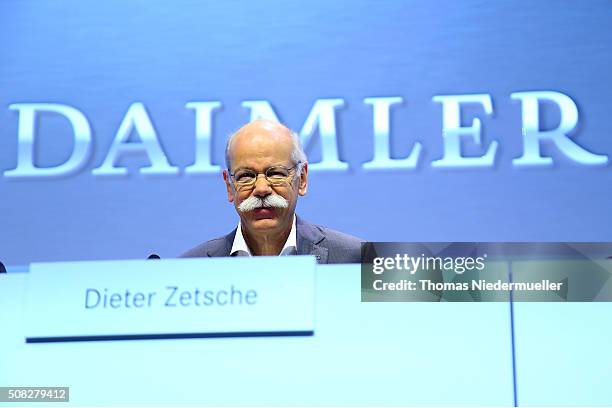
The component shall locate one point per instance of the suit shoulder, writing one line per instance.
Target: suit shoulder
(213, 246)
(340, 238)
(342, 248)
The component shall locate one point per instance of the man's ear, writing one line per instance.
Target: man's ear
(303, 187)
(228, 185)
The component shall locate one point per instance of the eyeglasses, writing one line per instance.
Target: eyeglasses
(245, 179)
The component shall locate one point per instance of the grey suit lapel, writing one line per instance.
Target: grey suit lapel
(308, 239)
(224, 247)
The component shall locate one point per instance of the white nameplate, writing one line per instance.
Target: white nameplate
(175, 298)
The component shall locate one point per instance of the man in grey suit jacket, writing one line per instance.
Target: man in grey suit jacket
(327, 245)
(266, 205)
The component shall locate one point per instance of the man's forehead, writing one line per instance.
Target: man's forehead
(261, 140)
(263, 129)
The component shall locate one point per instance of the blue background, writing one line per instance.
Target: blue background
(101, 57)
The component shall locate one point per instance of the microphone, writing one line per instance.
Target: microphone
(153, 256)
(2, 268)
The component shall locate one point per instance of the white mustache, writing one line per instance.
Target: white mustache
(271, 201)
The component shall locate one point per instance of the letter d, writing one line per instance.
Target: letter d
(25, 150)
(95, 293)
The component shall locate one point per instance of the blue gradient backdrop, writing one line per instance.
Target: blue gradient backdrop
(100, 57)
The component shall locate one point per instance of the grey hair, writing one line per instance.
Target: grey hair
(297, 153)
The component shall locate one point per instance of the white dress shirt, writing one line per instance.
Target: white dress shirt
(240, 247)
